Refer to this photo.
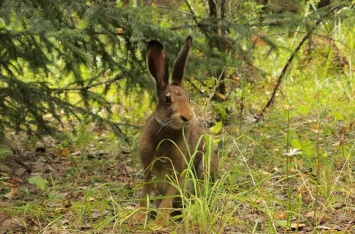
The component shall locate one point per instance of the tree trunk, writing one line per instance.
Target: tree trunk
(215, 41)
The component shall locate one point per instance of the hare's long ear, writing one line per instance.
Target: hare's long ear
(157, 65)
(180, 62)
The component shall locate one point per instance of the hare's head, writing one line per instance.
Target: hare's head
(173, 109)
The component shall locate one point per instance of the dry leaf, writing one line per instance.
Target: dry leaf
(20, 171)
(120, 31)
(297, 225)
(63, 152)
(76, 153)
(14, 180)
(280, 216)
(323, 227)
(315, 128)
(309, 214)
(12, 193)
(257, 40)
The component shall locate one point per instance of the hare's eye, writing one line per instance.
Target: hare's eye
(168, 99)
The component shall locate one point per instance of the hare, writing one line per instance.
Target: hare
(169, 136)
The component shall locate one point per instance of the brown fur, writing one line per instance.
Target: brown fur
(162, 147)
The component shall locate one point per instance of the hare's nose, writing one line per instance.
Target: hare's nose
(184, 118)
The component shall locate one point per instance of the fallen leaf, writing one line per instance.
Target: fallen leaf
(309, 214)
(95, 214)
(63, 152)
(8, 184)
(315, 128)
(280, 216)
(12, 193)
(20, 171)
(76, 153)
(323, 227)
(297, 225)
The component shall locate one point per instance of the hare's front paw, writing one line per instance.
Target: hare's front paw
(137, 218)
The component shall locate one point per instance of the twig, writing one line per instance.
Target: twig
(289, 61)
(194, 86)
(87, 87)
(192, 12)
(213, 93)
(316, 35)
(286, 67)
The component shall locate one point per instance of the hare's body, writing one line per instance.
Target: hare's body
(170, 148)
(170, 137)
(167, 155)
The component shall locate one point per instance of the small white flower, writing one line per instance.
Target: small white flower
(293, 152)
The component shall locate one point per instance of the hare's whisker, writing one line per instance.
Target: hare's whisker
(165, 125)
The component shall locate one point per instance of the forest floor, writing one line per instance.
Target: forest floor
(47, 187)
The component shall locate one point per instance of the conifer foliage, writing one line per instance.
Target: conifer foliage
(63, 47)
